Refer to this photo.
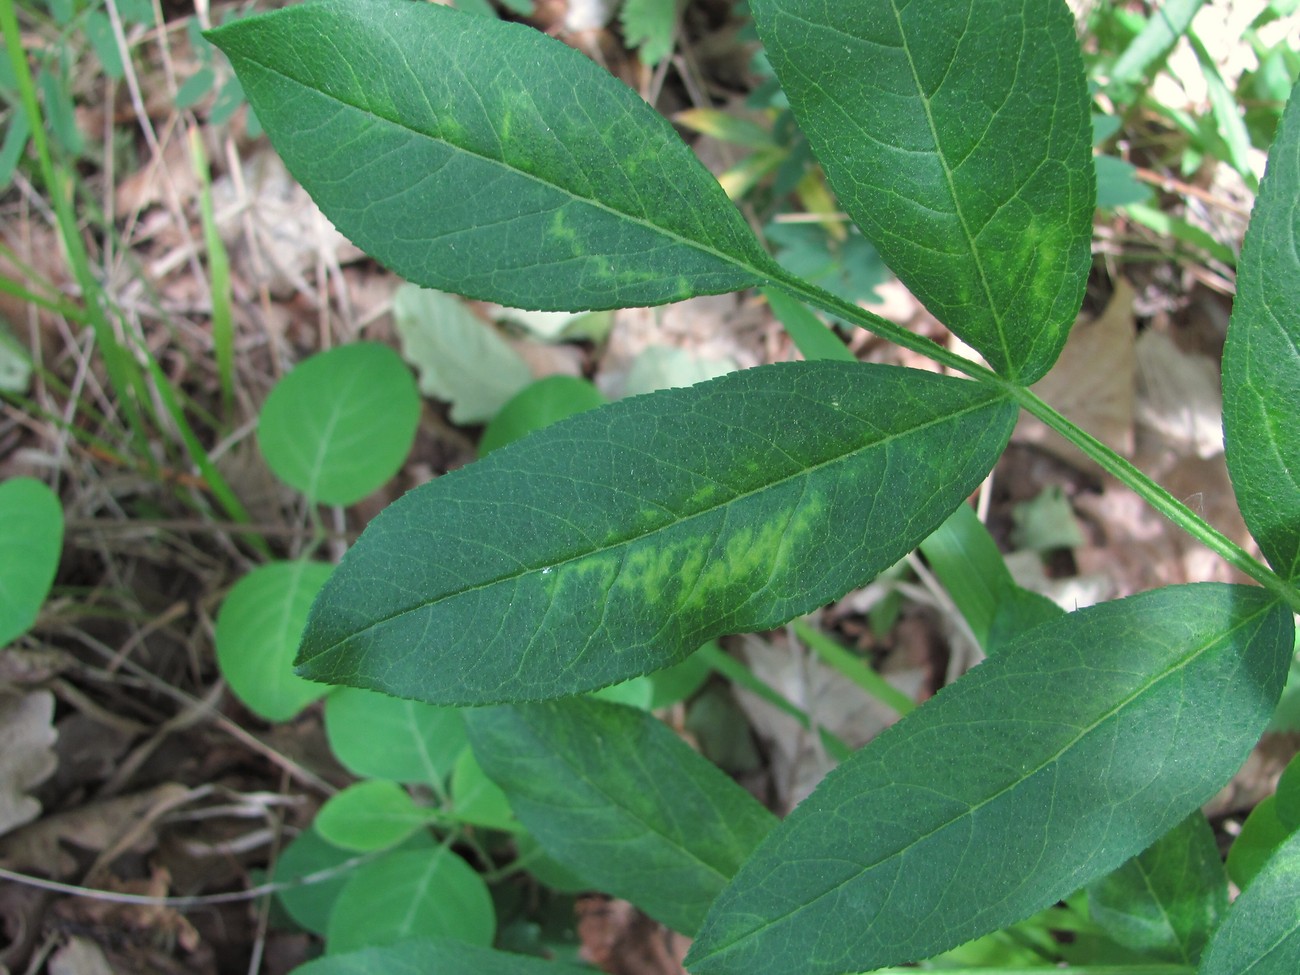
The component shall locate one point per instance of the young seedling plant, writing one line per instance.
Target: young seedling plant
(483, 158)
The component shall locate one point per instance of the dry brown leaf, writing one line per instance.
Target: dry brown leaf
(1179, 397)
(292, 234)
(27, 758)
(97, 827)
(80, 956)
(1092, 384)
(796, 756)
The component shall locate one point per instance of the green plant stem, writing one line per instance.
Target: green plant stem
(123, 373)
(848, 665)
(1109, 461)
(1159, 499)
(736, 672)
(60, 306)
(223, 327)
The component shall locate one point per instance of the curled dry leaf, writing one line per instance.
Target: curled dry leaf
(27, 759)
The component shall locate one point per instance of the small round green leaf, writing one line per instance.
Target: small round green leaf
(537, 406)
(1261, 834)
(382, 737)
(309, 854)
(431, 893)
(428, 956)
(371, 815)
(477, 799)
(257, 634)
(31, 537)
(341, 423)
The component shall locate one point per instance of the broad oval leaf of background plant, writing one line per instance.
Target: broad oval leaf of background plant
(404, 894)
(434, 956)
(421, 743)
(1044, 767)
(31, 539)
(258, 628)
(956, 134)
(1261, 359)
(613, 794)
(617, 541)
(484, 158)
(1260, 934)
(340, 423)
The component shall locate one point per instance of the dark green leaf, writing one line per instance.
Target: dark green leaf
(1166, 901)
(610, 792)
(1261, 933)
(615, 542)
(1046, 766)
(1261, 360)
(310, 856)
(957, 136)
(484, 158)
(430, 956)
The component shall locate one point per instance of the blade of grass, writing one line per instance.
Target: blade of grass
(212, 477)
(740, 675)
(851, 667)
(123, 372)
(223, 329)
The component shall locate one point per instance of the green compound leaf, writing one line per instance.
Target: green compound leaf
(1046, 766)
(1166, 901)
(484, 158)
(341, 423)
(1261, 360)
(258, 629)
(956, 134)
(31, 539)
(404, 894)
(612, 793)
(434, 956)
(616, 542)
(1261, 933)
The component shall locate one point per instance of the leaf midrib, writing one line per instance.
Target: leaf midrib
(1188, 659)
(648, 533)
(976, 258)
(762, 275)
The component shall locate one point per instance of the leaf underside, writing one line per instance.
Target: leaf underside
(1261, 359)
(612, 793)
(485, 158)
(1066, 754)
(616, 542)
(956, 133)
